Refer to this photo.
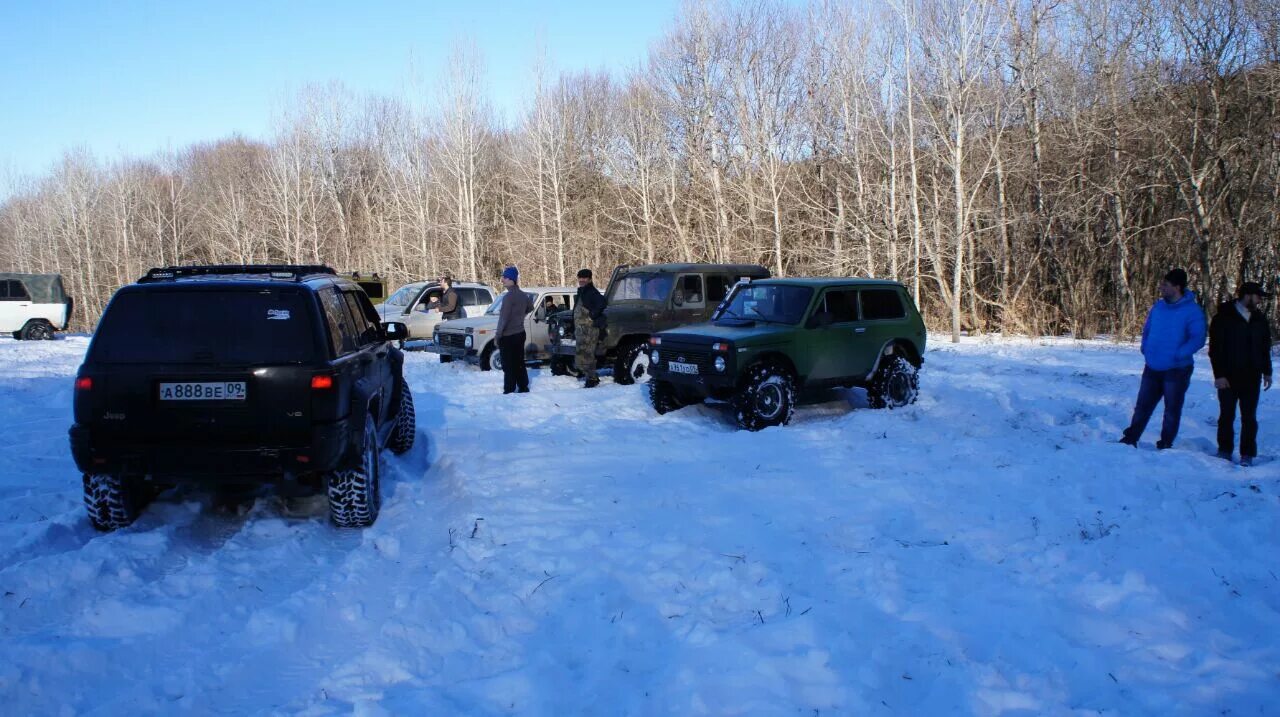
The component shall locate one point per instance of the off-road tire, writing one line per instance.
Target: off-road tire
(406, 426)
(664, 397)
(562, 366)
(632, 364)
(112, 501)
(37, 330)
(767, 397)
(896, 384)
(355, 493)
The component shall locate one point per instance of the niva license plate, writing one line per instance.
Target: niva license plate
(203, 391)
(677, 367)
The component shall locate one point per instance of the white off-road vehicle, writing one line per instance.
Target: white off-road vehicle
(474, 339)
(408, 305)
(33, 306)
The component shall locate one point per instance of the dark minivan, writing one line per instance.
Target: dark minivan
(234, 375)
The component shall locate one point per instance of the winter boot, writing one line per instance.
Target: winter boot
(1246, 461)
(591, 383)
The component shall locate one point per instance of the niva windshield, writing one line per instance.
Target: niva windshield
(768, 302)
(642, 287)
(245, 326)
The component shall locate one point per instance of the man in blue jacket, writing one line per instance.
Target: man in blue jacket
(1174, 332)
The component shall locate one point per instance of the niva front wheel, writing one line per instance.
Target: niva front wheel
(767, 398)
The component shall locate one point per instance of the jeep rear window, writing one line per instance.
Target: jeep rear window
(270, 326)
(642, 287)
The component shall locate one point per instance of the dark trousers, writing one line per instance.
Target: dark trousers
(515, 376)
(1244, 391)
(1169, 385)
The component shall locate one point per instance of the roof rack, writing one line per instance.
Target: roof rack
(294, 272)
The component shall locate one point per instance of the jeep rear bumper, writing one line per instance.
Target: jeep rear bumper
(201, 462)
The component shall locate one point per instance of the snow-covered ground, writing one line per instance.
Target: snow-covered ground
(989, 550)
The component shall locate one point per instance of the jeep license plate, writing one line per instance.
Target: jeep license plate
(677, 367)
(203, 391)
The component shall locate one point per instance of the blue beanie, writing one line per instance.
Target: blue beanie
(511, 273)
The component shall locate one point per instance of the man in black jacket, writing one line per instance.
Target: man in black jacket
(588, 326)
(450, 307)
(1240, 351)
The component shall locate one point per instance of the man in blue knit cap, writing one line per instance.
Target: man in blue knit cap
(1174, 332)
(511, 336)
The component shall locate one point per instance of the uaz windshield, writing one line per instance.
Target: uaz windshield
(642, 287)
(769, 302)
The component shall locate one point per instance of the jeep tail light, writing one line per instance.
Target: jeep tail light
(84, 383)
(321, 382)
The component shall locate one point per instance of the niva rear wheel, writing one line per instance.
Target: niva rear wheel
(896, 384)
(355, 493)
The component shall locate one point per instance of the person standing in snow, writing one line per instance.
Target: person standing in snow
(511, 336)
(588, 326)
(1240, 352)
(448, 301)
(1173, 333)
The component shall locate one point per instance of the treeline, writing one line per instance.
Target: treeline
(1030, 166)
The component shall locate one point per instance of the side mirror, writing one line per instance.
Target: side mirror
(394, 331)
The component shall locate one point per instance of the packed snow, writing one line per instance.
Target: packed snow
(989, 550)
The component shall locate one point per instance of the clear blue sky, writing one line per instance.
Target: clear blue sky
(133, 78)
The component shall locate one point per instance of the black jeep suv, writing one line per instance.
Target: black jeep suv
(234, 375)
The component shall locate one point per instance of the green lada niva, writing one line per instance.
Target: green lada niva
(769, 339)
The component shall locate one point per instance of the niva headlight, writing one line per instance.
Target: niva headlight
(468, 342)
(720, 364)
(654, 357)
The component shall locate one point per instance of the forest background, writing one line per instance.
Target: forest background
(1022, 166)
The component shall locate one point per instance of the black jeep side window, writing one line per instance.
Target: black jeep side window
(4, 290)
(338, 317)
(881, 304)
(364, 331)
